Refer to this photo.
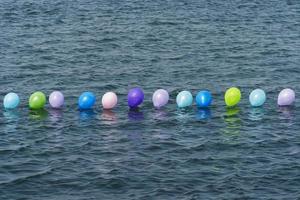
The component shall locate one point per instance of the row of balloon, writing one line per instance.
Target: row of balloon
(160, 98)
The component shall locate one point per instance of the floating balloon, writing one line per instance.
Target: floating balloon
(86, 100)
(11, 101)
(184, 99)
(135, 97)
(286, 97)
(160, 98)
(257, 97)
(56, 99)
(203, 99)
(232, 96)
(109, 100)
(37, 100)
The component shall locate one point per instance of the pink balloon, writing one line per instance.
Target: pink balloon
(109, 100)
(286, 97)
(56, 99)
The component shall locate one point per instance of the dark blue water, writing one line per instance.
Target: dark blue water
(75, 46)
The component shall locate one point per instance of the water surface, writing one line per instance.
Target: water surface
(217, 153)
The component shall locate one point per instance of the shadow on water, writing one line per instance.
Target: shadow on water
(38, 114)
(135, 115)
(109, 117)
(203, 113)
(233, 122)
(256, 114)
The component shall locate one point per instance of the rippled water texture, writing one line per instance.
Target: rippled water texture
(75, 46)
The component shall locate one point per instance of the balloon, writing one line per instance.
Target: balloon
(160, 98)
(11, 101)
(286, 97)
(56, 99)
(203, 99)
(257, 97)
(109, 100)
(37, 100)
(184, 99)
(135, 97)
(86, 100)
(232, 96)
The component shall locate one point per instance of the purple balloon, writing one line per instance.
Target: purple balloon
(135, 97)
(160, 98)
(286, 97)
(56, 99)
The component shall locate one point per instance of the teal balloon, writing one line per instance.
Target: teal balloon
(11, 101)
(184, 99)
(257, 97)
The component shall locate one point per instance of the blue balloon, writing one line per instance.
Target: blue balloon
(203, 99)
(11, 101)
(184, 99)
(86, 100)
(257, 98)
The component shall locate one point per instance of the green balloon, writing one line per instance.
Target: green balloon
(232, 96)
(37, 100)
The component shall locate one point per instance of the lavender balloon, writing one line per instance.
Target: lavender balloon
(56, 99)
(286, 97)
(160, 98)
(135, 97)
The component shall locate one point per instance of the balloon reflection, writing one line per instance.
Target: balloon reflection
(184, 114)
(108, 117)
(11, 115)
(256, 114)
(38, 114)
(232, 121)
(203, 113)
(55, 114)
(286, 112)
(135, 115)
(86, 114)
(160, 115)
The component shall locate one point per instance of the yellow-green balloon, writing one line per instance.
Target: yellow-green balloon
(37, 100)
(232, 96)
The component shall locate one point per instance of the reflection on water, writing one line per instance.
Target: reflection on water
(232, 121)
(160, 114)
(135, 115)
(86, 114)
(11, 119)
(11, 115)
(55, 115)
(286, 115)
(203, 113)
(38, 114)
(286, 112)
(108, 117)
(184, 114)
(256, 114)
